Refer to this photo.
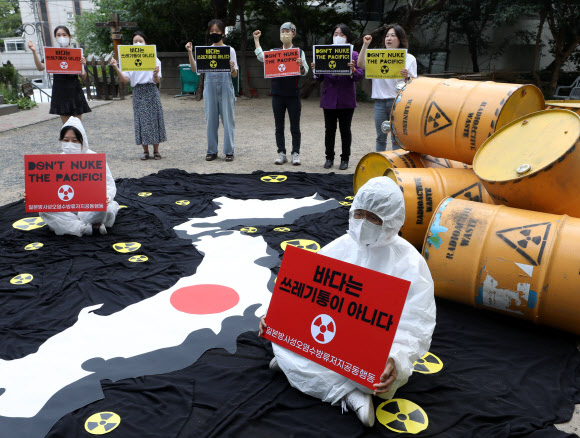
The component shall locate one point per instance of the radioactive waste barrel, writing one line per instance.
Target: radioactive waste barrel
(376, 164)
(451, 118)
(534, 163)
(518, 262)
(424, 189)
(571, 105)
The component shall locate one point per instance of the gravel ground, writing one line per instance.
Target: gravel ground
(110, 131)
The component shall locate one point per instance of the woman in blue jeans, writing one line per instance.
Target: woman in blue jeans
(218, 96)
(385, 90)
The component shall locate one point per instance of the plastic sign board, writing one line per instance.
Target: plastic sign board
(213, 59)
(336, 314)
(138, 58)
(385, 63)
(65, 182)
(281, 63)
(332, 59)
(64, 61)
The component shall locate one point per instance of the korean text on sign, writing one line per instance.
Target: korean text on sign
(138, 58)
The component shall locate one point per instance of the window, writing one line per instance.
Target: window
(70, 15)
(14, 46)
(371, 10)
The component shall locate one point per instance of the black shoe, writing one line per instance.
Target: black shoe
(210, 157)
(343, 165)
(328, 163)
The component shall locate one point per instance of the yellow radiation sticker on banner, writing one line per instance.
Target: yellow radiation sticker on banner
(29, 223)
(402, 416)
(309, 245)
(102, 423)
(274, 178)
(33, 246)
(249, 230)
(126, 247)
(282, 229)
(385, 63)
(122, 206)
(144, 194)
(22, 279)
(428, 364)
(137, 58)
(182, 202)
(138, 259)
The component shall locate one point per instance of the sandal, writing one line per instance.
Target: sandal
(145, 156)
(156, 156)
(230, 157)
(210, 157)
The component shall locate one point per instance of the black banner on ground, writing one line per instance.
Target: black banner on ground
(332, 59)
(212, 59)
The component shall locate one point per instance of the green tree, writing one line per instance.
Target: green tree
(10, 19)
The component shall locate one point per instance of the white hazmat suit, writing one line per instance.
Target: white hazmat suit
(389, 254)
(81, 223)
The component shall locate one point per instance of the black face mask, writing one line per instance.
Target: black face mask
(215, 37)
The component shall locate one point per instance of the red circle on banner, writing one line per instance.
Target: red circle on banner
(204, 299)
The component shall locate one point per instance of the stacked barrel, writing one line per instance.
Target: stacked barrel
(503, 235)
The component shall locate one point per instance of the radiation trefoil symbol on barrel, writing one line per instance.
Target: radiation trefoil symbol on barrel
(332, 64)
(138, 62)
(102, 423)
(428, 364)
(436, 120)
(529, 241)
(63, 65)
(384, 69)
(66, 193)
(471, 193)
(402, 416)
(282, 67)
(323, 329)
(213, 64)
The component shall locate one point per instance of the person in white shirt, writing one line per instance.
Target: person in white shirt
(147, 109)
(385, 90)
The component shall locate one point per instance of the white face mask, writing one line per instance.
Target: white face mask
(68, 147)
(63, 41)
(139, 44)
(363, 232)
(338, 40)
(286, 38)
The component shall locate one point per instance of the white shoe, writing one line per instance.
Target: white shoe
(281, 158)
(296, 159)
(274, 365)
(362, 405)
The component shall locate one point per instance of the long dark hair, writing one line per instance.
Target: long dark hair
(401, 35)
(141, 34)
(345, 30)
(219, 23)
(66, 129)
(63, 28)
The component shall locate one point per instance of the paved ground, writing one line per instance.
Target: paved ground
(110, 130)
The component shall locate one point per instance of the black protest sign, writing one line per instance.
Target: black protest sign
(212, 59)
(332, 59)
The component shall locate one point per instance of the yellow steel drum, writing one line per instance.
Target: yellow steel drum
(517, 262)
(376, 164)
(572, 105)
(451, 118)
(534, 163)
(424, 189)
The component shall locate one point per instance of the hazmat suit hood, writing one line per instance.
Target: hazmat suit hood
(75, 122)
(383, 197)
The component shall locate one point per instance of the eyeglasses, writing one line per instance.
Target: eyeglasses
(371, 217)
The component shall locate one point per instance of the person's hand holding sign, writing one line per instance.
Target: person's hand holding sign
(263, 326)
(113, 62)
(352, 66)
(387, 378)
(405, 73)
(84, 61)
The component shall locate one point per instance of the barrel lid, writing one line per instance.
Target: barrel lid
(371, 165)
(527, 145)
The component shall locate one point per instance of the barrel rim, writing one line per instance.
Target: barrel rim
(433, 217)
(366, 157)
(521, 86)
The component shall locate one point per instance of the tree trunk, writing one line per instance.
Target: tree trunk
(447, 43)
(472, 45)
(244, 80)
(543, 14)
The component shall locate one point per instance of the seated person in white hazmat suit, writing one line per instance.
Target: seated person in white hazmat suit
(73, 140)
(376, 215)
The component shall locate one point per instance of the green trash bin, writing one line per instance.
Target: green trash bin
(188, 79)
(236, 82)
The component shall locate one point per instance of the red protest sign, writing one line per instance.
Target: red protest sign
(336, 314)
(65, 182)
(64, 61)
(280, 63)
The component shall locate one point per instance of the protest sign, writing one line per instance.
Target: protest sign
(280, 63)
(65, 182)
(341, 316)
(385, 63)
(213, 59)
(138, 58)
(332, 59)
(64, 61)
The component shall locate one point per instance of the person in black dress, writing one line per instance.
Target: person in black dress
(68, 98)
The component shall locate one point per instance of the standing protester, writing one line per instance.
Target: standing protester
(218, 96)
(385, 90)
(286, 95)
(67, 97)
(338, 101)
(147, 109)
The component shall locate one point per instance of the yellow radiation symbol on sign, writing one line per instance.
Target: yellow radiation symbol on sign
(309, 245)
(332, 64)
(249, 230)
(145, 194)
(182, 202)
(274, 178)
(428, 364)
(138, 259)
(213, 64)
(126, 247)
(282, 229)
(29, 223)
(402, 416)
(102, 423)
(34, 245)
(22, 279)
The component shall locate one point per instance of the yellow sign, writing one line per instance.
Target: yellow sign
(385, 63)
(137, 58)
